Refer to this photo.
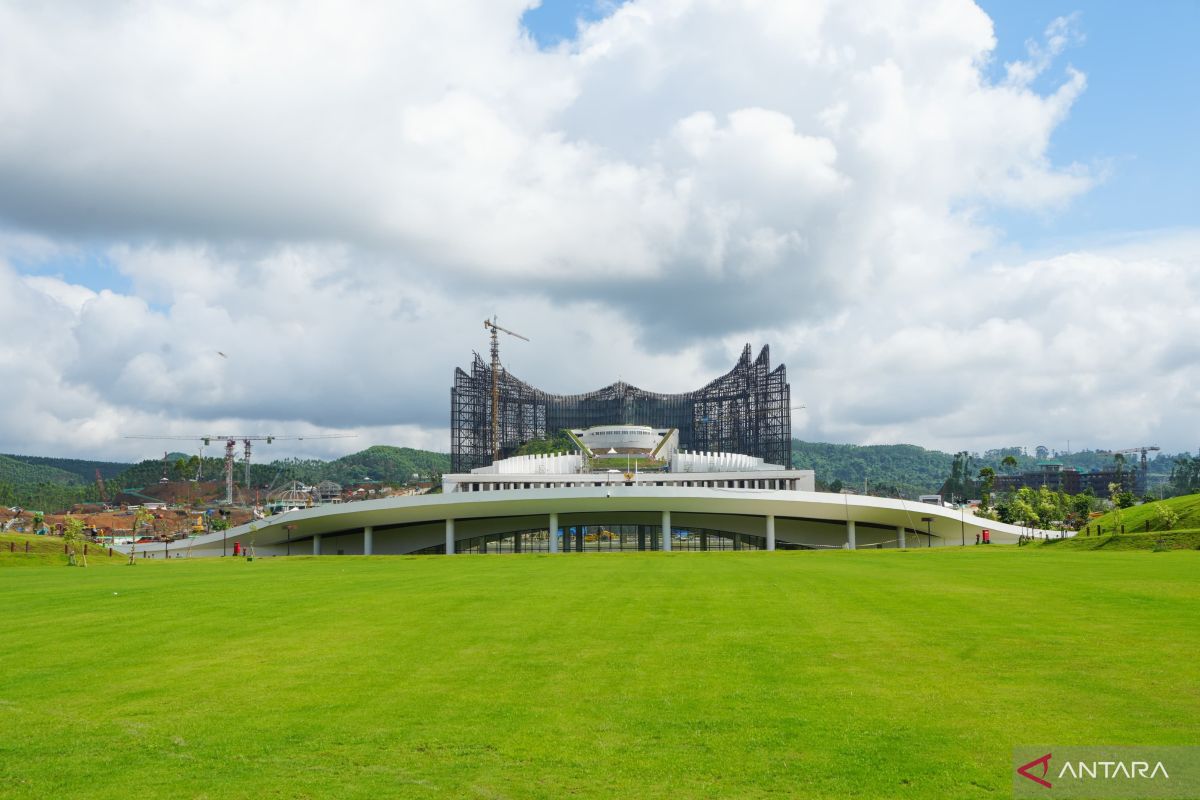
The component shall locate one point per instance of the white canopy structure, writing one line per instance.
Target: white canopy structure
(547, 518)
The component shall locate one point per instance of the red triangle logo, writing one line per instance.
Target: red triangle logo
(1045, 762)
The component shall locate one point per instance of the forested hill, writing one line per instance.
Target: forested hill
(904, 469)
(49, 484)
(16, 471)
(82, 469)
(380, 463)
(908, 470)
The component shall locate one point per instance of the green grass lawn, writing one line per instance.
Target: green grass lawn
(1163, 540)
(829, 675)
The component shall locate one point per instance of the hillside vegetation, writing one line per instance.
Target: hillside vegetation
(84, 470)
(22, 473)
(908, 470)
(1135, 519)
(36, 483)
(379, 463)
(904, 469)
(46, 496)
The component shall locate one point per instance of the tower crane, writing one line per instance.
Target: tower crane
(231, 446)
(491, 326)
(1143, 463)
(100, 487)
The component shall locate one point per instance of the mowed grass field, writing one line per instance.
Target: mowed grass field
(27, 550)
(828, 675)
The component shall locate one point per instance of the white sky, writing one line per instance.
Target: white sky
(335, 196)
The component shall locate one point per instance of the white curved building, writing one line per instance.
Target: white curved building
(551, 505)
(591, 518)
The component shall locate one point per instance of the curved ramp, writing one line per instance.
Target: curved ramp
(410, 524)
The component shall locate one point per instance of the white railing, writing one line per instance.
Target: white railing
(541, 464)
(684, 461)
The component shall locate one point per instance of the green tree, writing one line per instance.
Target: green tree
(1010, 464)
(1168, 517)
(1023, 512)
(1024, 506)
(1185, 474)
(1114, 490)
(1048, 507)
(72, 536)
(987, 480)
(1082, 504)
(140, 518)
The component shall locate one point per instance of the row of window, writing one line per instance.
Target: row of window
(491, 486)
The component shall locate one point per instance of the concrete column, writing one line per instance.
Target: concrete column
(316, 544)
(368, 541)
(900, 536)
(666, 531)
(770, 531)
(554, 533)
(449, 537)
(850, 544)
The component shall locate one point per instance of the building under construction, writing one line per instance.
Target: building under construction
(1057, 478)
(747, 410)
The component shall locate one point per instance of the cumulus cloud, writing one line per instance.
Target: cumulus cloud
(335, 198)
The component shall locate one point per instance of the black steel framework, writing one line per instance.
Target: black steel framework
(747, 410)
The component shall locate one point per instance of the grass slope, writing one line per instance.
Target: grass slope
(1135, 518)
(1165, 540)
(47, 551)
(748, 675)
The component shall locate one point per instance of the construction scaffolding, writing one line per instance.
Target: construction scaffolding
(747, 410)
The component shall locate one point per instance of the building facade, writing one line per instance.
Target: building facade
(747, 410)
(1057, 478)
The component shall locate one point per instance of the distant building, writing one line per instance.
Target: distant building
(1055, 477)
(747, 410)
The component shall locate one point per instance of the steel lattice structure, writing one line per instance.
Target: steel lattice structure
(747, 410)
